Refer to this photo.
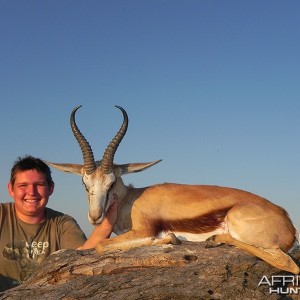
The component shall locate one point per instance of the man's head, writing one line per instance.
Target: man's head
(30, 186)
(30, 163)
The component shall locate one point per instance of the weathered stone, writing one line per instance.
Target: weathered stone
(187, 271)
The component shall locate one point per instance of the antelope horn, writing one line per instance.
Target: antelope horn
(87, 152)
(108, 156)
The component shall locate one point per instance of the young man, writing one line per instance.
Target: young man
(29, 231)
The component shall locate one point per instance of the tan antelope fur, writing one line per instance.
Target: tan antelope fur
(152, 215)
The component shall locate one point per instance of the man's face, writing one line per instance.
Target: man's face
(30, 192)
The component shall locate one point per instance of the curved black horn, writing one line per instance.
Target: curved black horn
(108, 156)
(87, 152)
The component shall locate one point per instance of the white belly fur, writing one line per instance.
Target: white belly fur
(192, 237)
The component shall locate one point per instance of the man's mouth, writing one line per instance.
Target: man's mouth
(31, 200)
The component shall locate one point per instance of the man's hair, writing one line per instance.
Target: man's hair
(30, 163)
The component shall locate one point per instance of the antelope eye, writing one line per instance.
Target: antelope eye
(84, 185)
(111, 187)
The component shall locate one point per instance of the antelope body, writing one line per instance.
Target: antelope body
(192, 212)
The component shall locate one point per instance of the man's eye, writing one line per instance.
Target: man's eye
(42, 185)
(22, 185)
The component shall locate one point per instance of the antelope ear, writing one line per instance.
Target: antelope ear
(133, 167)
(71, 168)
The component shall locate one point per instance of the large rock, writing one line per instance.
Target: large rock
(186, 271)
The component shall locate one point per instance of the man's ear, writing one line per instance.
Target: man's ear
(10, 189)
(51, 189)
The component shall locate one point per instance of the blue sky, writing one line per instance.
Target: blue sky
(211, 87)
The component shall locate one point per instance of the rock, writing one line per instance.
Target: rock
(186, 271)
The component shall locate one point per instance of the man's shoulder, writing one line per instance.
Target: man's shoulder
(7, 214)
(53, 213)
(7, 206)
(57, 215)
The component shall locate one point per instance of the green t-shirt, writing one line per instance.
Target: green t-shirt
(24, 246)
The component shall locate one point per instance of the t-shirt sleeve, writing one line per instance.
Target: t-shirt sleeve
(71, 235)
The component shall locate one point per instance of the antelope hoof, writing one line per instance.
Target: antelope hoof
(173, 239)
(212, 243)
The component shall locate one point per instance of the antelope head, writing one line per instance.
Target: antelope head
(100, 177)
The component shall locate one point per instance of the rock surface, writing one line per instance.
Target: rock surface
(186, 271)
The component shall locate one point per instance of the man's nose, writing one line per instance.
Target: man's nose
(31, 190)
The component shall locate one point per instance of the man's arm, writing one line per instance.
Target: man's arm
(103, 230)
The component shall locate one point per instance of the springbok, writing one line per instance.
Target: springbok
(191, 212)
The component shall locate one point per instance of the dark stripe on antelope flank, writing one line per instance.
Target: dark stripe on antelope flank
(201, 224)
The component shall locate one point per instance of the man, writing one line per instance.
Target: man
(29, 231)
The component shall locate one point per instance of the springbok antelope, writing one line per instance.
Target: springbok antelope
(191, 212)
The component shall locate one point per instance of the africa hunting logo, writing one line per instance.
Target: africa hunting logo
(281, 284)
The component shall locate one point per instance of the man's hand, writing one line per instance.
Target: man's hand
(103, 230)
(111, 215)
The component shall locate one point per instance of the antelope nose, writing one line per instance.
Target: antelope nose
(95, 218)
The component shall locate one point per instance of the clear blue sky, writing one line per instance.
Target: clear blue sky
(211, 87)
